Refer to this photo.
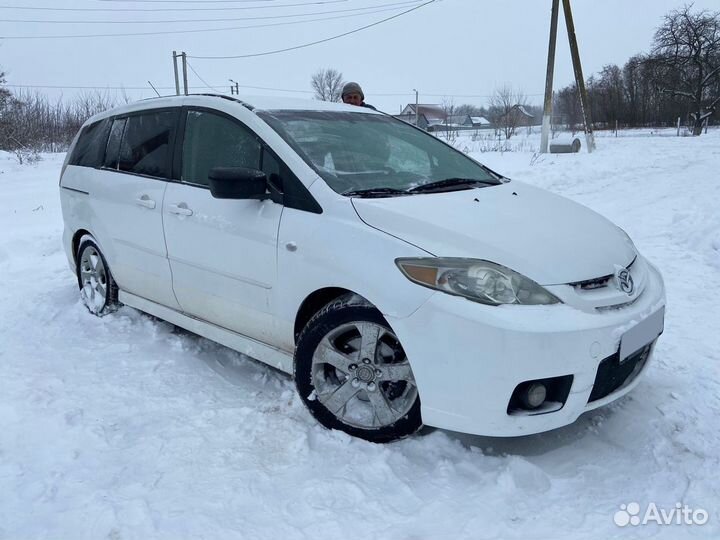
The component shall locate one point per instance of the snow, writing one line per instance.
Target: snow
(125, 427)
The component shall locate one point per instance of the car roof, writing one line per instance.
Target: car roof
(254, 103)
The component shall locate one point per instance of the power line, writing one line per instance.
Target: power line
(469, 95)
(188, 1)
(170, 21)
(268, 88)
(273, 6)
(201, 79)
(89, 87)
(60, 87)
(203, 30)
(304, 45)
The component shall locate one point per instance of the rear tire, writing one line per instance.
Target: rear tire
(98, 290)
(353, 375)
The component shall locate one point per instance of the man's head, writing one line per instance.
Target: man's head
(352, 94)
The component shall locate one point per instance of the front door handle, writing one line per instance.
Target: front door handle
(145, 201)
(180, 209)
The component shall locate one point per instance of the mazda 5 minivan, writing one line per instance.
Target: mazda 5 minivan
(399, 281)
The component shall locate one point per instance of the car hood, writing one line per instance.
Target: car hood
(548, 238)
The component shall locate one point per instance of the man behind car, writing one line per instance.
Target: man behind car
(352, 94)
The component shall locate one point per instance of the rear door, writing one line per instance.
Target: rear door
(127, 198)
(223, 253)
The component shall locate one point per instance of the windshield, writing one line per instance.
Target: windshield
(357, 152)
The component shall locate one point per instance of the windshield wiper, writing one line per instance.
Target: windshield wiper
(442, 185)
(374, 192)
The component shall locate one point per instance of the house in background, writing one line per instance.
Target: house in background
(434, 118)
(427, 116)
(462, 121)
(465, 121)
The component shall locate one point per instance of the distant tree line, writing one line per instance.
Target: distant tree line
(678, 78)
(30, 122)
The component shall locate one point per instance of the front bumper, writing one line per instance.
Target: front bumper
(468, 358)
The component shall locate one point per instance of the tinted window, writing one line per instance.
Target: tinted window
(90, 148)
(211, 141)
(113, 144)
(145, 147)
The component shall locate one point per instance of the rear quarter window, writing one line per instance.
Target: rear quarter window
(89, 150)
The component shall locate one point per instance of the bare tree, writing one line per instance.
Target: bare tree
(508, 110)
(31, 123)
(327, 84)
(470, 110)
(567, 107)
(449, 112)
(687, 51)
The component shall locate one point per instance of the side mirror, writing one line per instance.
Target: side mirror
(238, 183)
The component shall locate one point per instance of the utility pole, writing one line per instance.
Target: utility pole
(579, 78)
(417, 111)
(548, 108)
(184, 70)
(234, 88)
(177, 79)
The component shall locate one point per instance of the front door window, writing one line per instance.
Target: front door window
(212, 141)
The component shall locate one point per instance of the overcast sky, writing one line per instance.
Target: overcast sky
(459, 49)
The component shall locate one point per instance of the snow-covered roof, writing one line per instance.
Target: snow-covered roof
(435, 111)
(480, 120)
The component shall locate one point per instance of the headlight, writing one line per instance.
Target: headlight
(480, 281)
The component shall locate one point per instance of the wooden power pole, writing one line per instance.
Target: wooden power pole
(417, 111)
(183, 58)
(579, 79)
(184, 71)
(548, 107)
(175, 68)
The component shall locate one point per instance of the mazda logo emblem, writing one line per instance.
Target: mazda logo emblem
(625, 281)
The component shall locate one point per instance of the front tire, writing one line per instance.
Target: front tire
(353, 375)
(98, 290)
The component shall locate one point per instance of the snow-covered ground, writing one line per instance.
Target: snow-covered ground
(127, 428)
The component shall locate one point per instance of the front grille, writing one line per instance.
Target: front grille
(612, 375)
(597, 283)
(590, 284)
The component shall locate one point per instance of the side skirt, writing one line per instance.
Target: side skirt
(255, 349)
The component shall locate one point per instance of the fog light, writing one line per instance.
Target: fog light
(535, 395)
(540, 396)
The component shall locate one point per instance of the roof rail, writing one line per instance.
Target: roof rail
(230, 98)
(222, 96)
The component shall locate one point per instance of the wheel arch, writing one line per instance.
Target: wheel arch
(314, 302)
(76, 242)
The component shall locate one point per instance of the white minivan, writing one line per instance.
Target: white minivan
(399, 281)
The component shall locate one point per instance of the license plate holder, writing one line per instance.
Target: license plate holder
(642, 334)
